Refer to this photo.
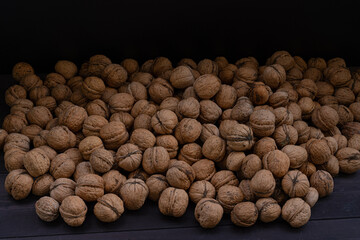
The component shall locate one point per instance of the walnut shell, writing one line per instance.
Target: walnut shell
(188, 130)
(114, 134)
(311, 197)
(109, 208)
(239, 137)
(93, 87)
(262, 123)
(88, 145)
(206, 86)
(170, 143)
(296, 212)
(14, 159)
(349, 160)
(62, 188)
(295, 184)
(60, 138)
(269, 209)
(228, 196)
(173, 202)
(73, 117)
(318, 150)
(134, 193)
(214, 148)
(36, 162)
(208, 212)
(224, 177)
(113, 180)
(204, 169)
(73, 210)
(274, 75)
(90, 187)
(18, 184)
(47, 209)
(41, 185)
(323, 182)
(157, 184)
(182, 77)
(244, 214)
(101, 160)
(160, 89)
(263, 146)
(143, 138)
(21, 69)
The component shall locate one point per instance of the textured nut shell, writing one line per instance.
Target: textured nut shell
(157, 184)
(93, 124)
(134, 193)
(101, 160)
(214, 148)
(349, 160)
(36, 162)
(325, 118)
(228, 196)
(18, 184)
(155, 160)
(263, 146)
(263, 183)
(204, 169)
(208, 212)
(188, 130)
(206, 86)
(311, 197)
(323, 182)
(297, 155)
(318, 150)
(239, 137)
(234, 161)
(295, 184)
(60, 138)
(250, 165)
(121, 102)
(113, 180)
(224, 177)
(109, 208)
(21, 69)
(41, 185)
(93, 87)
(14, 159)
(170, 143)
(182, 77)
(269, 209)
(73, 117)
(180, 175)
(164, 121)
(277, 162)
(73, 210)
(47, 209)
(296, 212)
(173, 202)
(274, 75)
(201, 189)
(62, 188)
(143, 138)
(90, 187)
(244, 214)
(129, 157)
(262, 123)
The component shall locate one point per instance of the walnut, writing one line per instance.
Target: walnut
(36, 162)
(144, 78)
(324, 89)
(285, 135)
(108, 208)
(101, 160)
(208, 130)
(204, 169)
(228, 196)
(47, 209)
(311, 197)
(207, 66)
(234, 160)
(182, 77)
(244, 214)
(170, 143)
(349, 160)
(113, 180)
(134, 192)
(62, 188)
(250, 165)
(214, 148)
(31, 131)
(14, 122)
(269, 209)
(17, 141)
(201, 189)
(90, 187)
(155, 160)
(160, 89)
(21, 69)
(22, 105)
(123, 117)
(188, 108)
(227, 74)
(274, 76)
(61, 138)
(224, 177)
(61, 93)
(350, 128)
(170, 103)
(264, 145)
(277, 162)
(307, 88)
(39, 115)
(283, 58)
(173, 202)
(73, 210)
(93, 124)
(259, 94)
(88, 145)
(93, 87)
(142, 138)
(157, 184)
(14, 159)
(208, 212)
(262, 123)
(239, 137)
(30, 81)
(164, 121)
(296, 212)
(295, 110)
(209, 111)
(143, 107)
(190, 153)
(323, 182)
(82, 169)
(188, 130)
(41, 185)
(114, 134)
(18, 184)
(283, 116)
(318, 150)
(207, 86)
(75, 83)
(338, 76)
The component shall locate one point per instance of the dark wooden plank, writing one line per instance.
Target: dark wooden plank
(330, 229)
(13, 213)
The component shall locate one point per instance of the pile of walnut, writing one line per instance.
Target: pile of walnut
(252, 141)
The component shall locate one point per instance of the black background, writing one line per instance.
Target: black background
(42, 32)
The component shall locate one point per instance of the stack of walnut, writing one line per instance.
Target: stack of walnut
(253, 141)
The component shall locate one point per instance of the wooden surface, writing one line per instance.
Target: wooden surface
(334, 217)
